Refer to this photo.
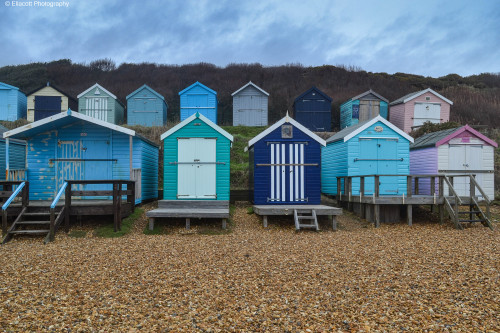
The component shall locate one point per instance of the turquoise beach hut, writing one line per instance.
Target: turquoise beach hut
(146, 107)
(13, 103)
(196, 160)
(363, 107)
(372, 147)
(198, 98)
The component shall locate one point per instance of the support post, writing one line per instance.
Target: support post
(52, 224)
(119, 205)
(433, 186)
(115, 208)
(188, 223)
(377, 216)
(361, 195)
(408, 186)
(416, 185)
(334, 223)
(264, 221)
(7, 159)
(472, 194)
(4, 222)
(349, 193)
(224, 224)
(409, 214)
(441, 213)
(26, 194)
(339, 191)
(67, 205)
(151, 223)
(450, 192)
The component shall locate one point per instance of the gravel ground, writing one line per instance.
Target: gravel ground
(395, 278)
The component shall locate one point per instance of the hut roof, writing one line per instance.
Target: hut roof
(413, 95)
(191, 118)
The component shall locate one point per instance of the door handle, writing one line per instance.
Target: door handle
(196, 160)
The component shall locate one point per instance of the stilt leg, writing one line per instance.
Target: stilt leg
(410, 214)
(224, 224)
(151, 223)
(264, 220)
(188, 223)
(377, 216)
(334, 223)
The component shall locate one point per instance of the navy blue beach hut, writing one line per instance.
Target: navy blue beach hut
(372, 147)
(73, 146)
(313, 109)
(146, 107)
(198, 98)
(285, 165)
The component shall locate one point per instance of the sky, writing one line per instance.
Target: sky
(424, 37)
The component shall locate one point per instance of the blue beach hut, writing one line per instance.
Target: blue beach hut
(73, 146)
(198, 98)
(13, 168)
(13, 103)
(313, 109)
(362, 107)
(285, 165)
(146, 107)
(372, 147)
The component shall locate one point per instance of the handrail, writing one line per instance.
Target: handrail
(450, 186)
(58, 196)
(13, 196)
(486, 198)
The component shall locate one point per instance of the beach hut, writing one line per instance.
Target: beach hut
(313, 109)
(73, 146)
(196, 160)
(12, 103)
(413, 110)
(362, 107)
(48, 101)
(146, 107)
(250, 106)
(372, 147)
(99, 103)
(13, 168)
(456, 151)
(285, 165)
(198, 98)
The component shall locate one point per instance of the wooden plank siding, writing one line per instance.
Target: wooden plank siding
(244, 103)
(198, 98)
(17, 156)
(196, 129)
(146, 107)
(13, 103)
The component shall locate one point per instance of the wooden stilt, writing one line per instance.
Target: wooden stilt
(224, 224)
(334, 222)
(377, 216)
(151, 223)
(441, 214)
(188, 223)
(264, 221)
(410, 214)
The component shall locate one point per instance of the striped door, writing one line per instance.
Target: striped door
(97, 107)
(287, 173)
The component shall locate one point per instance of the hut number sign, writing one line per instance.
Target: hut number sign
(378, 129)
(287, 132)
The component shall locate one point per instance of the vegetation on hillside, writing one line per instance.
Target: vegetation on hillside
(476, 98)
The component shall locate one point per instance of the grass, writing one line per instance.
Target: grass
(158, 229)
(107, 231)
(77, 233)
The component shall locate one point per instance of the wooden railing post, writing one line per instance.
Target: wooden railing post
(26, 194)
(416, 186)
(115, 207)
(441, 198)
(339, 191)
(4, 222)
(52, 224)
(433, 185)
(67, 205)
(409, 186)
(450, 192)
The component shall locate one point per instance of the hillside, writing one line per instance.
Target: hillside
(476, 98)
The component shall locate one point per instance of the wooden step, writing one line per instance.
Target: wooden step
(32, 222)
(471, 221)
(305, 217)
(307, 226)
(36, 214)
(471, 212)
(29, 232)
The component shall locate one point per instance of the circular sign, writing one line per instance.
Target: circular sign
(378, 129)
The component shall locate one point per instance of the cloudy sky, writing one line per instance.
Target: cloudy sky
(426, 37)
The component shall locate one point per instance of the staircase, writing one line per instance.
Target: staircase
(473, 213)
(36, 221)
(305, 215)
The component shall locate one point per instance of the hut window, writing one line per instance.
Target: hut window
(286, 132)
(427, 98)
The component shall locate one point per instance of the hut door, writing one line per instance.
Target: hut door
(68, 162)
(196, 168)
(98, 165)
(368, 109)
(426, 112)
(466, 159)
(287, 173)
(97, 108)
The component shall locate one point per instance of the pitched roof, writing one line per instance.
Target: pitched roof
(252, 84)
(191, 118)
(145, 86)
(413, 95)
(197, 84)
(370, 92)
(311, 89)
(53, 87)
(438, 138)
(430, 139)
(286, 119)
(62, 119)
(8, 86)
(97, 85)
(351, 131)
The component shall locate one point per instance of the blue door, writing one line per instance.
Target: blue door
(98, 164)
(46, 106)
(68, 163)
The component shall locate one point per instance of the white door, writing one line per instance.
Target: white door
(97, 108)
(196, 168)
(287, 173)
(466, 159)
(426, 112)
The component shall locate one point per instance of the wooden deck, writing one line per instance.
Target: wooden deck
(80, 207)
(188, 209)
(323, 210)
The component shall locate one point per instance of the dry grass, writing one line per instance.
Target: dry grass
(422, 278)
